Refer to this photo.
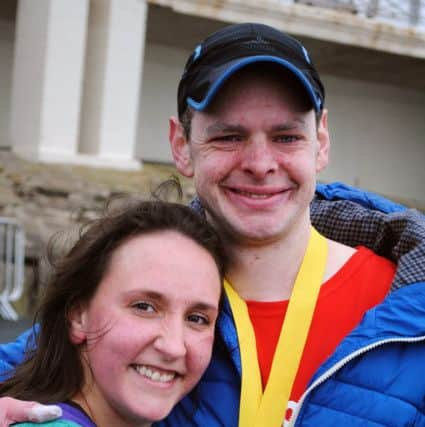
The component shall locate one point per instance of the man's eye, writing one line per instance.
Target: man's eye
(228, 138)
(144, 306)
(286, 138)
(198, 319)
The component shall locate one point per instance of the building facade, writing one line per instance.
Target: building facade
(94, 81)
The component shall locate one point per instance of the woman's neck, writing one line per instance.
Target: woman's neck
(102, 414)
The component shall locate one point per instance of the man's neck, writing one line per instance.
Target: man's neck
(268, 272)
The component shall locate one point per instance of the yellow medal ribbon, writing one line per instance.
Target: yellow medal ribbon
(258, 409)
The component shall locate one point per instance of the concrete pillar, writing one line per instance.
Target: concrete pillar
(47, 78)
(112, 86)
(7, 36)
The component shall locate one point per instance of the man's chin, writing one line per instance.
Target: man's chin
(253, 235)
(240, 227)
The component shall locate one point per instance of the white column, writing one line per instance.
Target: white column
(7, 37)
(115, 52)
(47, 78)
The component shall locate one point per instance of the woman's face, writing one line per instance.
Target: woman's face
(149, 329)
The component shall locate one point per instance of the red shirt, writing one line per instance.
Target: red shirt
(360, 284)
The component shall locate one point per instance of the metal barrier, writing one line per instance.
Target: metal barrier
(12, 265)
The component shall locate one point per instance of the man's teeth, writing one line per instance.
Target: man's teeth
(253, 195)
(154, 375)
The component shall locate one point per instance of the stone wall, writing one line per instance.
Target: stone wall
(48, 199)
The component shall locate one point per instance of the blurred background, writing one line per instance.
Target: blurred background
(87, 87)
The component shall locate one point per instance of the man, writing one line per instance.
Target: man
(252, 131)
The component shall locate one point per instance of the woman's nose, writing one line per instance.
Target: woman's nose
(170, 340)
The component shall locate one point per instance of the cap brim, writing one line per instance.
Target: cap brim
(228, 70)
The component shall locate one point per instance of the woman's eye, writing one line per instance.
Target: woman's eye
(199, 319)
(144, 306)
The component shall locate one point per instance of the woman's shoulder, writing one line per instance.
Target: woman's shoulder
(72, 416)
(55, 423)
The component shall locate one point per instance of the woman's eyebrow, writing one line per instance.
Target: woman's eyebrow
(157, 296)
(202, 306)
(145, 293)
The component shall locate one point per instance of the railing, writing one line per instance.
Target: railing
(397, 12)
(12, 264)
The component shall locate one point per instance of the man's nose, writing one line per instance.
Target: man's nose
(171, 339)
(258, 157)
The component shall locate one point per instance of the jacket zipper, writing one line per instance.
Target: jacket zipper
(331, 371)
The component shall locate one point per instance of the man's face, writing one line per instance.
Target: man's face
(254, 157)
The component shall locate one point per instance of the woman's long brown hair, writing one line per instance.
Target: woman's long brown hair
(52, 370)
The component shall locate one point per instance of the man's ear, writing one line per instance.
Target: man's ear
(323, 138)
(180, 148)
(77, 320)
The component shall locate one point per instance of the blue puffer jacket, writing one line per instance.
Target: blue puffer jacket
(376, 377)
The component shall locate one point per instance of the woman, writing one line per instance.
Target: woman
(127, 323)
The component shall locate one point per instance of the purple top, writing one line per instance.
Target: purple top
(73, 412)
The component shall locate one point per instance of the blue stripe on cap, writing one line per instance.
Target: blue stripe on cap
(203, 104)
(306, 55)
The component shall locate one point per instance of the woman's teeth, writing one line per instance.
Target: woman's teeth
(154, 375)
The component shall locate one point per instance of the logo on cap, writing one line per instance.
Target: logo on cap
(197, 52)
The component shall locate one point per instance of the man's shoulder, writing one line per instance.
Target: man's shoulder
(338, 256)
(361, 265)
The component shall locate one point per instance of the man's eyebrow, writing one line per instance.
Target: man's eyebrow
(290, 125)
(221, 127)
